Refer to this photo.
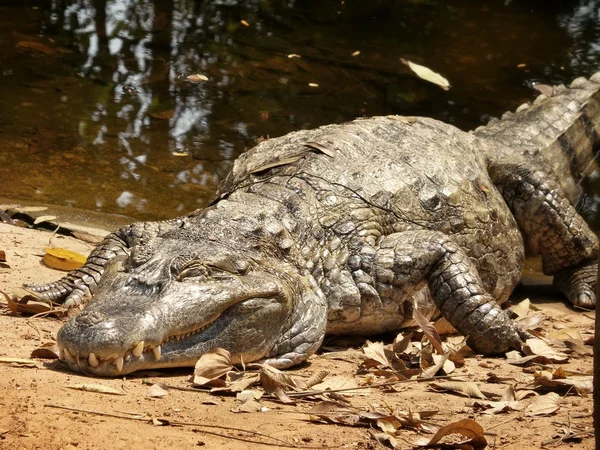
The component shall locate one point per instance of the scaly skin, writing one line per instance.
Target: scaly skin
(345, 230)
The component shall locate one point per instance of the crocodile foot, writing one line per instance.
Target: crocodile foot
(578, 284)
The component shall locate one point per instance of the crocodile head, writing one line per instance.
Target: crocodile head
(161, 308)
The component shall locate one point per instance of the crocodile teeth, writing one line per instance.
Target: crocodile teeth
(138, 349)
(69, 357)
(93, 361)
(119, 363)
(156, 351)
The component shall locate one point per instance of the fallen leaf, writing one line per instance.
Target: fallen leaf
(427, 74)
(544, 405)
(63, 259)
(582, 385)
(243, 22)
(98, 388)
(47, 351)
(249, 405)
(535, 346)
(565, 333)
(41, 219)
(196, 78)
(314, 379)
(375, 351)
(211, 366)
(545, 89)
(19, 361)
(429, 331)
(521, 309)
(442, 326)
(579, 348)
(273, 381)
(156, 391)
(465, 427)
(498, 407)
(466, 388)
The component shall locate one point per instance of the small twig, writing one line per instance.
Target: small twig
(503, 422)
(560, 439)
(174, 387)
(279, 442)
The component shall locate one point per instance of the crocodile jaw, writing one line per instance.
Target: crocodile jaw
(175, 326)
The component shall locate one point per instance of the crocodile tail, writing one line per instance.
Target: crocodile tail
(560, 131)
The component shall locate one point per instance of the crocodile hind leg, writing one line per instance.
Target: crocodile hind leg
(551, 228)
(410, 260)
(78, 285)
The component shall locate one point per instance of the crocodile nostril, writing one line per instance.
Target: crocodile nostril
(90, 318)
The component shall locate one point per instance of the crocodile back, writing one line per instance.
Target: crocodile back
(560, 133)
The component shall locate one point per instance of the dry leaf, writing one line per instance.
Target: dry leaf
(156, 391)
(196, 78)
(273, 382)
(211, 366)
(565, 333)
(427, 74)
(41, 219)
(19, 361)
(314, 379)
(544, 405)
(47, 351)
(249, 405)
(63, 259)
(498, 407)
(465, 427)
(579, 348)
(466, 388)
(545, 89)
(535, 346)
(443, 327)
(27, 303)
(429, 331)
(376, 352)
(582, 385)
(522, 309)
(243, 22)
(99, 388)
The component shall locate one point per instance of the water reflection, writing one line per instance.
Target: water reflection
(118, 127)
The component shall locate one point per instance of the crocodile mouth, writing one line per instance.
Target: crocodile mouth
(142, 354)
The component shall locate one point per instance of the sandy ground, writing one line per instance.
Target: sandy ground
(27, 421)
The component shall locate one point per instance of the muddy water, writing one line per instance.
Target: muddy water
(96, 110)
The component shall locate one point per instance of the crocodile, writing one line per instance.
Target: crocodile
(348, 229)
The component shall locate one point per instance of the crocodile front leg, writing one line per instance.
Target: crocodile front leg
(78, 285)
(409, 260)
(551, 228)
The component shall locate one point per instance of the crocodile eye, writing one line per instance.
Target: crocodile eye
(193, 270)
